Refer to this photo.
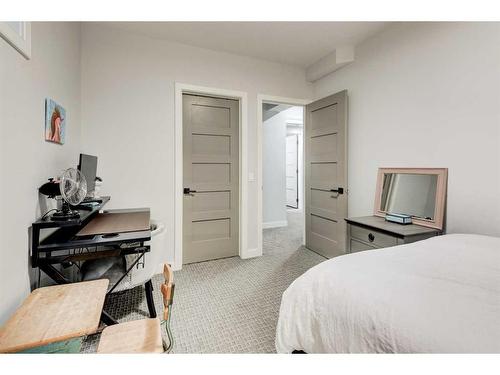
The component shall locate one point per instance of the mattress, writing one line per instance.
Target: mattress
(440, 295)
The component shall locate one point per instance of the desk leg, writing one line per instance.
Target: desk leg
(149, 298)
(54, 274)
(108, 319)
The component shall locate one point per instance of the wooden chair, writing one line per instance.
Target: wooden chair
(142, 336)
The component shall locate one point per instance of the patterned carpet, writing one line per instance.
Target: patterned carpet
(229, 305)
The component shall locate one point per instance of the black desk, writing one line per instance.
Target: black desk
(63, 247)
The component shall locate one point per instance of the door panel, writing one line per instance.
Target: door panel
(323, 227)
(210, 115)
(211, 201)
(323, 175)
(206, 173)
(326, 169)
(292, 177)
(321, 119)
(211, 145)
(207, 230)
(211, 172)
(323, 203)
(323, 148)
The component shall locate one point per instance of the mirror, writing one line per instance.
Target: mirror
(419, 193)
(410, 194)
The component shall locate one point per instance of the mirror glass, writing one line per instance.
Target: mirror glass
(410, 194)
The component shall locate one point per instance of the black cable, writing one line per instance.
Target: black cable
(49, 211)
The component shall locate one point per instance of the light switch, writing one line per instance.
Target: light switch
(251, 176)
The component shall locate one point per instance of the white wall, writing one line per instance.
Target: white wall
(274, 171)
(128, 112)
(427, 95)
(26, 160)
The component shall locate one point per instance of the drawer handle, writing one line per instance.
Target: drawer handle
(371, 237)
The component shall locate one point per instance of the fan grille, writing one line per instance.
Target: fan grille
(73, 186)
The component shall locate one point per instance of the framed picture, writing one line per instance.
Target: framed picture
(55, 122)
(18, 35)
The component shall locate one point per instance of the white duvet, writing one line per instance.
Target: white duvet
(440, 295)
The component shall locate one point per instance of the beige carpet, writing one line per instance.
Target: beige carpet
(229, 305)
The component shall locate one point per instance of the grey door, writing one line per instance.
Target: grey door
(211, 178)
(292, 171)
(326, 175)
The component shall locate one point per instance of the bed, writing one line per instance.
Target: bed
(440, 295)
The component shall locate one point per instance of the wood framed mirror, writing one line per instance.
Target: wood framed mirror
(418, 192)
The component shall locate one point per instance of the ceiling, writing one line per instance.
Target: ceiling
(271, 109)
(294, 43)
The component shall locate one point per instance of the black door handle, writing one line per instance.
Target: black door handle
(188, 191)
(338, 190)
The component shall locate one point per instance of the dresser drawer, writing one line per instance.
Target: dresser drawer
(373, 237)
(356, 246)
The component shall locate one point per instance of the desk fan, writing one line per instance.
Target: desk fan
(72, 187)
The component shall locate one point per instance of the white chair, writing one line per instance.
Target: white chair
(113, 268)
(146, 268)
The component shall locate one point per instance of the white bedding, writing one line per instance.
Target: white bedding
(440, 295)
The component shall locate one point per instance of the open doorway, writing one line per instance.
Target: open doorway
(325, 172)
(283, 169)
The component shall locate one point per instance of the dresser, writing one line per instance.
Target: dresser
(373, 232)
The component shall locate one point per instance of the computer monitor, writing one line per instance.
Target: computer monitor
(88, 167)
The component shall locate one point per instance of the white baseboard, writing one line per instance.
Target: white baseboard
(252, 253)
(275, 224)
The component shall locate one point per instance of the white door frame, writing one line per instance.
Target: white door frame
(242, 97)
(301, 175)
(296, 172)
(261, 98)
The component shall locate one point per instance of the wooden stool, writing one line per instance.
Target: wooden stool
(142, 336)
